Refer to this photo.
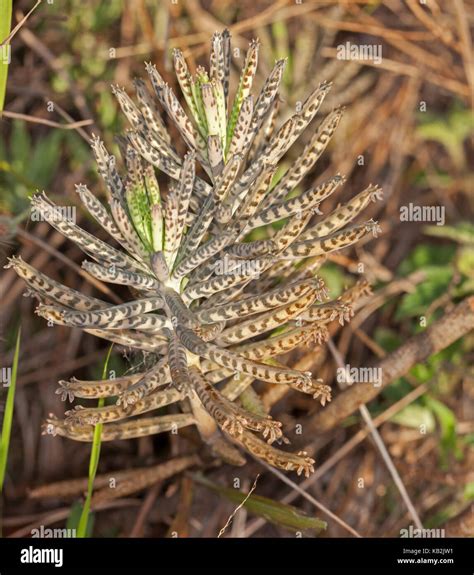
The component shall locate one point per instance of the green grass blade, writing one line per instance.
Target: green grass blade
(280, 514)
(74, 517)
(5, 24)
(8, 417)
(82, 528)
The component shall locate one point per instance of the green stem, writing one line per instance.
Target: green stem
(8, 417)
(93, 463)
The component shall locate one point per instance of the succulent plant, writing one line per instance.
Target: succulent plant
(212, 307)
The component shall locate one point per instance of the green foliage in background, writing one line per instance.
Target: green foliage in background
(449, 270)
(26, 166)
(449, 130)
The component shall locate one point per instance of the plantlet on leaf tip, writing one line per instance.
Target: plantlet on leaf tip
(209, 304)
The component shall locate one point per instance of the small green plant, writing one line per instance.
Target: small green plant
(213, 307)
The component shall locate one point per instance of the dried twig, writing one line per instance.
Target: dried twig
(380, 445)
(437, 337)
(64, 512)
(346, 448)
(20, 24)
(311, 499)
(228, 522)
(45, 122)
